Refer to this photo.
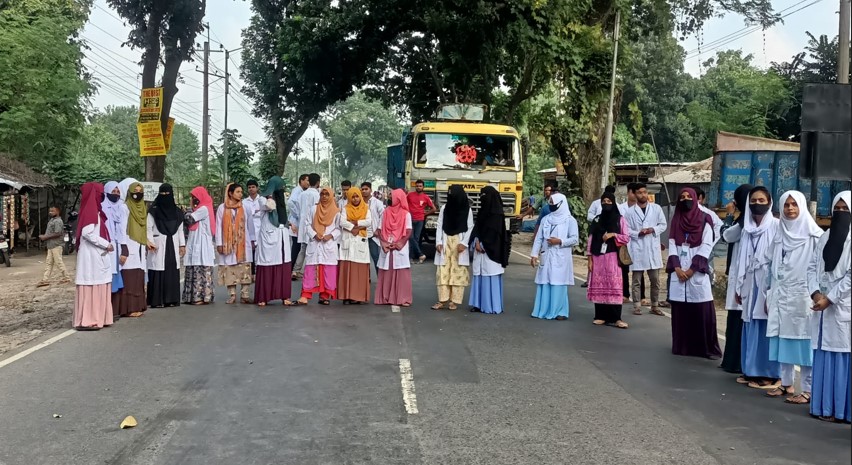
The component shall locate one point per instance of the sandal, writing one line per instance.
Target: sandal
(637, 311)
(324, 302)
(261, 304)
(828, 419)
(768, 386)
(803, 398)
(621, 325)
(598, 322)
(475, 310)
(780, 391)
(438, 306)
(657, 311)
(665, 304)
(742, 380)
(296, 303)
(231, 300)
(136, 314)
(246, 300)
(452, 306)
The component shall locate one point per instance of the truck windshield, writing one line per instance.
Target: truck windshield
(466, 151)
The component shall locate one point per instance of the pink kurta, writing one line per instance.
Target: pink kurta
(605, 285)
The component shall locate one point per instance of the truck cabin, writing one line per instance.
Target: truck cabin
(467, 151)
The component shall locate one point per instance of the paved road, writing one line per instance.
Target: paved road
(321, 385)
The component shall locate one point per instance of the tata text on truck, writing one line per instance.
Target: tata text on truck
(457, 148)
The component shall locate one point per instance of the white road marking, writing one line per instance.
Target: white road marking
(36, 347)
(407, 380)
(395, 308)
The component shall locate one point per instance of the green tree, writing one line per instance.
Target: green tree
(240, 158)
(360, 129)
(43, 85)
(267, 160)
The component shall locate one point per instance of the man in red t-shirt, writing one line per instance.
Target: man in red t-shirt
(420, 205)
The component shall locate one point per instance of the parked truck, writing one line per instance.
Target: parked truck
(739, 159)
(457, 148)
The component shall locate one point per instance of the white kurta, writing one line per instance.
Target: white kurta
(787, 299)
(646, 251)
(308, 199)
(252, 206)
(717, 223)
(354, 248)
(273, 243)
(752, 277)
(293, 206)
(696, 289)
(319, 252)
(732, 236)
(556, 265)
(200, 250)
(441, 239)
(157, 258)
(834, 320)
(93, 260)
(229, 260)
(400, 257)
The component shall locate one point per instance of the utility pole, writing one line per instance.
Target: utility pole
(843, 45)
(205, 126)
(609, 118)
(227, 87)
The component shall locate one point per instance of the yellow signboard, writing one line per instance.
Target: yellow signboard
(169, 129)
(150, 105)
(151, 143)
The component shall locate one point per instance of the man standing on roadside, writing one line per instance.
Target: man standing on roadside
(647, 222)
(252, 204)
(54, 241)
(293, 218)
(343, 200)
(377, 209)
(420, 205)
(307, 200)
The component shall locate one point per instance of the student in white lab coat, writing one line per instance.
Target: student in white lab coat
(377, 208)
(353, 282)
(235, 250)
(116, 213)
(168, 245)
(452, 257)
(132, 300)
(394, 286)
(551, 256)
(647, 222)
(322, 254)
(273, 246)
(731, 232)
(92, 304)
(200, 252)
(829, 279)
(490, 245)
(308, 199)
(759, 229)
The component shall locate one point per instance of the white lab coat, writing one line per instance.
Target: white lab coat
(595, 209)
(157, 258)
(556, 265)
(441, 239)
(318, 252)
(787, 299)
(229, 260)
(273, 243)
(834, 321)
(377, 209)
(308, 199)
(696, 289)
(400, 257)
(753, 277)
(93, 260)
(137, 258)
(354, 248)
(482, 265)
(732, 236)
(252, 206)
(293, 206)
(118, 236)
(717, 223)
(200, 250)
(646, 251)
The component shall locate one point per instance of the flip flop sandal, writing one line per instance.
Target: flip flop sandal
(261, 304)
(231, 300)
(637, 311)
(621, 325)
(779, 391)
(765, 387)
(742, 380)
(452, 307)
(246, 300)
(438, 306)
(324, 302)
(598, 322)
(657, 311)
(803, 398)
(297, 303)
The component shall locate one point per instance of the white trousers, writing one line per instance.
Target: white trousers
(788, 371)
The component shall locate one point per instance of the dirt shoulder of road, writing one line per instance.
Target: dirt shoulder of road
(28, 312)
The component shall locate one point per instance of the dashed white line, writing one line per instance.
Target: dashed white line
(36, 347)
(407, 380)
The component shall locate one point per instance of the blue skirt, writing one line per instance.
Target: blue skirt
(755, 352)
(550, 301)
(830, 394)
(791, 351)
(117, 280)
(486, 293)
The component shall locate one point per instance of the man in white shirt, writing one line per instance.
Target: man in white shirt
(293, 216)
(595, 208)
(377, 209)
(307, 200)
(344, 188)
(251, 204)
(647, 222)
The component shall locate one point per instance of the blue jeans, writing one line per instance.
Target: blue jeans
(374, 253)
(414, 241)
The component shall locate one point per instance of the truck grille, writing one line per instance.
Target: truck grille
(508, 201)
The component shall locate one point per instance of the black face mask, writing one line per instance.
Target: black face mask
(607, 207)
(759, 209)
(137, 196)
(555, 206)
(840, 220)
(686, 205)
(195, 202)
(113, 197)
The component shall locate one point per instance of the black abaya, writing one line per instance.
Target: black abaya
(164, 286)
(731, 362)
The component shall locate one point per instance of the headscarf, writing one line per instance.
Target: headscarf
(325, 212)
(752, 256)
(167, 216)
(358, 213)
(793, 234)
(688, 227)
(559, 215)
(204, 201)
(275, 189)
(90, 210)
(125, 187)
(741, 195)
(456, 211)
(137, 222)
(114, 212)
(838, 233)
(606, 222)
(490, 226)
(233, 227)
(393, 219)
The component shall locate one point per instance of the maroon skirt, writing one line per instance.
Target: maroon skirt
(272, 283)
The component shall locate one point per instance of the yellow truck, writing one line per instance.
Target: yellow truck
(455, 148)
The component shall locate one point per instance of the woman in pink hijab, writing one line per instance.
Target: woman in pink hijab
(394, 286)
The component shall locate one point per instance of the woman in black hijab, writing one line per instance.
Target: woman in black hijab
(607, 233)
(166, 246)
(455, 223)
(490, 245)
(732, 231)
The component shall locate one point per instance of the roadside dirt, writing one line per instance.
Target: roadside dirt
(27, 311)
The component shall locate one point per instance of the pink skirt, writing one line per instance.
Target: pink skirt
(320, 279)
(93, 306)
(394, 286)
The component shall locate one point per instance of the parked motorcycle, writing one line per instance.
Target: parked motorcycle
(5, 256)
(70, 236)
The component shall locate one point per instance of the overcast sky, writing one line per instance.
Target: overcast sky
(117, 70)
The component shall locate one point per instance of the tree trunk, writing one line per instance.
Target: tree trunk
(284, 143)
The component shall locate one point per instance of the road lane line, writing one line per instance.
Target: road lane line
(36, 347)
(407, 380)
